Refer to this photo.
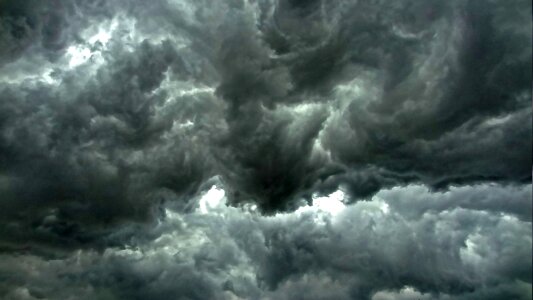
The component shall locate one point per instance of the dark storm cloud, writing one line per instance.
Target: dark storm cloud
(44, 29)
(382, 92)
(438, 83)
(82, 155)
(366, 251)
(112, 112)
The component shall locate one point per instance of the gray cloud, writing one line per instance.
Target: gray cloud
(113, 111)
(370, 250)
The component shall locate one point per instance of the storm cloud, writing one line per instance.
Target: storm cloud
(121, 121)
(370, 250)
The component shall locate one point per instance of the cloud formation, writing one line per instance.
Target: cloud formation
(115, 114)
(370, 250)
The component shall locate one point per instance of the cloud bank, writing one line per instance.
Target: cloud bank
(370, 250)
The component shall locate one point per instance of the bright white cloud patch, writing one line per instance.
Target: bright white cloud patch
(407, 293)
(332, 204)
(78, 55)
(213, 198)
(83, 53)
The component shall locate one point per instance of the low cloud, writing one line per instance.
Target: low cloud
(370, 250)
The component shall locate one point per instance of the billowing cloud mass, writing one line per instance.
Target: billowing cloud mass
(265, 149)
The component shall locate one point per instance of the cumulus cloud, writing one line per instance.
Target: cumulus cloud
(117, 116)
(370, 250)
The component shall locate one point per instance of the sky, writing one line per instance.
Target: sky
(265, 149)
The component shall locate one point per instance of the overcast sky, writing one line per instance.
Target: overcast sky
(265, 149)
